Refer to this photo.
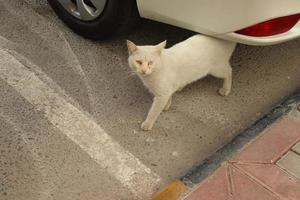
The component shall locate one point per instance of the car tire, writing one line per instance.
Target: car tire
(117, 15)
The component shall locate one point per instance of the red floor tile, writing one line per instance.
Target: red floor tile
(269, 147)
(275, 179)
(214, 188)
(245, 188)
(253, 174)
(230, 183)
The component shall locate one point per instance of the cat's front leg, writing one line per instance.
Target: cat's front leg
(157, 107)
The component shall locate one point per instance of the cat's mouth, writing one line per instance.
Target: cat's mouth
(145, 73)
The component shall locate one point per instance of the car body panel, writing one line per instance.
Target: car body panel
(222, 18)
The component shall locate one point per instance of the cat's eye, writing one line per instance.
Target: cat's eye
(150, 63)
(139, 62)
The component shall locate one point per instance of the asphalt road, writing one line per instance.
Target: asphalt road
(70, 109)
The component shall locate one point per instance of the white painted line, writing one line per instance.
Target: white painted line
(49, 31)
(43, 76)
(9, 46)
(80, 128)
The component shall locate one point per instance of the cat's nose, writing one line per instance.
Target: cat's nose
(144, 71)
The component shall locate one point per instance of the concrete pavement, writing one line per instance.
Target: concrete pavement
(39, 160)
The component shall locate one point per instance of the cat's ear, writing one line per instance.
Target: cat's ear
(131, 47)
(161, 46)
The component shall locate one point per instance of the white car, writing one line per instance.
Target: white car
(253, 22)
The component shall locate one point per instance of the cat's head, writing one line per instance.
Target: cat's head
(144, 60)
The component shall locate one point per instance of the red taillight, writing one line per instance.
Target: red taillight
(271, 27)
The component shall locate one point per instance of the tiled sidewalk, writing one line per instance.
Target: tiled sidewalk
(268, 168)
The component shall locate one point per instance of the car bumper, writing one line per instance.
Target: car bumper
(262, 41)
(221, 18)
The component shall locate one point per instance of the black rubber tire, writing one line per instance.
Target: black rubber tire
(116, 15)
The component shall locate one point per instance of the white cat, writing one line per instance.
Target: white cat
(164, 71)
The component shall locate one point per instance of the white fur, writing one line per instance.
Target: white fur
(164, 71)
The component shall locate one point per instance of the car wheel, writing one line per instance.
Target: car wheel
(95, 19)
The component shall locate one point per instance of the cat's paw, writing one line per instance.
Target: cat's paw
(146, 126)
(167, 107)
(224, 92)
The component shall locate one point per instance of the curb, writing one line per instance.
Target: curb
(179, 188)
(173, 191)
